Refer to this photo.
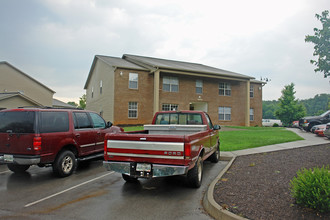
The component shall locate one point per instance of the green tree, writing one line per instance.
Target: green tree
(289, 110)
(82, 102)
(321, 40)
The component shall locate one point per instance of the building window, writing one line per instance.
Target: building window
(170, 84)
(133, 81)
(224, 89)
(170, 107)
(251, 91)
(92, 91)
(101, 87)
(199, 86)
(132, 110)
(251, 114)
(225, 113)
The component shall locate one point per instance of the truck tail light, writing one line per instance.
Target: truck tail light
(187, 151)
(105, 148)
(37, 143)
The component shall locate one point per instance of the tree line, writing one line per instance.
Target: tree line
(313, 106)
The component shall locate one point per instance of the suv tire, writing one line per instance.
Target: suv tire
(64, 164)
(16, 168)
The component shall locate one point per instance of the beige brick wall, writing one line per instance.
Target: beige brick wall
(123, 95)
(116, 96)
(186, 95)
(256, 104)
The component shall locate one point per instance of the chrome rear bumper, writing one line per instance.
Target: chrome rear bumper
(158, 170)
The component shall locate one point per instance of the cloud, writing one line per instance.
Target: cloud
(55, 41)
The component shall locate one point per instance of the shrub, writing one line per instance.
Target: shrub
(275, 125)
(311, 188)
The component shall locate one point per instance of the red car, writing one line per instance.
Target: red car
(319, 130)
(48, 136)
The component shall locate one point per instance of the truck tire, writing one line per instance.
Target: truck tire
(129, 179)
(214, 158)
(195, 175)
(64, 164)
(16, 168)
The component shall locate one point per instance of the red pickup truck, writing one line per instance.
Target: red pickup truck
(176, 143)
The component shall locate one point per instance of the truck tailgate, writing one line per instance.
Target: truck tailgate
(167, 149)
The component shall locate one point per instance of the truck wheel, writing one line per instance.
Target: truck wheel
(64, 164)
(195, 175)
(129, 179)
(214, 158)
(16, 168)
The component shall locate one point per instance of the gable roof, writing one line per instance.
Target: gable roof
(26, 75)
(9, 95)
(157, 63)
(58, 103)
(115, 62)
(152, 64)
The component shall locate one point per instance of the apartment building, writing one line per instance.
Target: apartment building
(130, 89)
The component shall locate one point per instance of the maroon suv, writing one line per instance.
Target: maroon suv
(46, 136)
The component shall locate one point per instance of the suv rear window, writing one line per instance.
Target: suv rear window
(17, 122)
(54, 122)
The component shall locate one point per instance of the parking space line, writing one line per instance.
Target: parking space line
(7, 171)
(66, 190)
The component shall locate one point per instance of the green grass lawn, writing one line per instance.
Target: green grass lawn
(251, 137)
(248, 137)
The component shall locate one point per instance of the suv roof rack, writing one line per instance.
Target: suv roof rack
(49, 107)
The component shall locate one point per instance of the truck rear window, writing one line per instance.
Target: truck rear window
(179, 118)
(17, 122)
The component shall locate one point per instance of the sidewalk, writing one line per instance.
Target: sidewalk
(213, 208)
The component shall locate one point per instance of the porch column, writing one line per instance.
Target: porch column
(247, 107)
(156, 91)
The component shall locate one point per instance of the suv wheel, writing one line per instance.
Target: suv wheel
(65, 164)
(16, 168)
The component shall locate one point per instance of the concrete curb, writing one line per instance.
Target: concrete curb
(210, 205)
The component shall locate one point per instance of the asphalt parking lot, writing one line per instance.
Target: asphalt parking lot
(94, 193)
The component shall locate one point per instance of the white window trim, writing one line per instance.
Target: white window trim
(252, 111)
(170, 107)
(251, 91)
(170, 79)
(200, 82)
(137, 80)
(224, 113)
(137, 108)
(226, 87)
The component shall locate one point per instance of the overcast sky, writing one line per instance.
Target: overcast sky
(55, 41)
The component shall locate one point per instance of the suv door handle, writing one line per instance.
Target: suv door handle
(77, 135)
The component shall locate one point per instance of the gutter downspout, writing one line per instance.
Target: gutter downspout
(247, 107)
(156, 90)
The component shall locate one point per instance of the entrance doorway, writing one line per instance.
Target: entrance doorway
(198, 106)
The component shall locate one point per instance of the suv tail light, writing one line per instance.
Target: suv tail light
(187, 151)
(37, 143)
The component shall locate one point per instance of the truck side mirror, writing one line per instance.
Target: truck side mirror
(109, 124)
(216, 127)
